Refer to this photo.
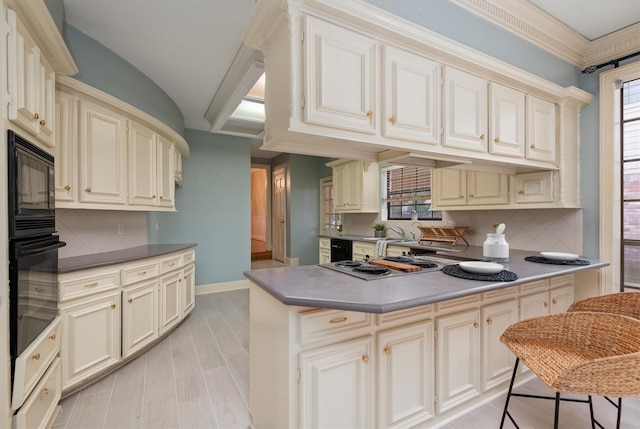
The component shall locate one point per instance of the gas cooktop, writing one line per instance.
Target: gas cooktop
(367, 271)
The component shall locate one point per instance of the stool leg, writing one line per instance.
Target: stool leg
(619, 413)
(593, 420)
(506, 404)
(557, 413)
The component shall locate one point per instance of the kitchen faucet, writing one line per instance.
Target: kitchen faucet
(398, 231)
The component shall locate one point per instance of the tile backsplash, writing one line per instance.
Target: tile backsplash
(95, 231)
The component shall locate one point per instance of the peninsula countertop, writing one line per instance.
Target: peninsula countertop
(318, 287)
(78, 263)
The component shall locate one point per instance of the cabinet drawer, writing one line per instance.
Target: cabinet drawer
(509, 292)
(539, 286)
(137, 272)
(33, 362)
(170, 264)
(39, 409)
(321, 324)
(406, 315)
(88, 282)
(325, 243)
(188, 257)
(566, 280)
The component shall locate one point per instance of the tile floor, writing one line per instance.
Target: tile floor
(198, 377)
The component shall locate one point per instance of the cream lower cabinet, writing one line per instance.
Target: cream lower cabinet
(90, 337)
(336, 385)
(405, 375)
(362, 250)
(458, 354)
(497, 360)
(324, 250)
(111, 314)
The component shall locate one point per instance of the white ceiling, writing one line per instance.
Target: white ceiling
(187, 46)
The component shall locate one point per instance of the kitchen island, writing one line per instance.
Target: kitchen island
(332, 350)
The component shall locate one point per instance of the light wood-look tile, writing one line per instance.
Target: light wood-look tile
(198, 377)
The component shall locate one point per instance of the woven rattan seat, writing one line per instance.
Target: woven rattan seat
(624, 303)
(578, 352)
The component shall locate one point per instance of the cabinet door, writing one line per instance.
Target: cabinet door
(458, 354)
(142, 165)
(165, 173)
(450, 187)
(188, 289)
(325, 256)
(103, 156)
(46, 102)
(560, 299)
(177, 166)
(412, 97)
(139, 316)
(361, 250)
(66, 150)
(507, 121)
(347, 185)
(534, 187)
(406, 375)
(465, 111)
(535, 305)
(487, 188)
(541, 130)
(170, 301)
(340, 78)
(90, 338)
(336, 386)
(497, 359)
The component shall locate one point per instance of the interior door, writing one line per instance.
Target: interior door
(279, 214)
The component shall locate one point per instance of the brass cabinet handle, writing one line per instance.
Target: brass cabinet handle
(90, 285)
(533, 146)
(113, 306)
(39, 289)
(481, 136)
(338, 320)
(369, 114)
(67, 188)
(521, 192)
(20, 316)
(142, 273)
(497, 140)
(88, 189)
(161, 197)
(555, 301)
(130, 300)
(42, 122)
(153, 196)
(36, 356)
(546, 304)
(52, 337)
(475, 324)
(471, 196)
(393, 120)
(365, 358)
(44, 393)
(36, 116)
(489, 321)
(387, 350)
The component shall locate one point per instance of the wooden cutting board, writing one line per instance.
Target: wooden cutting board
(395, 265)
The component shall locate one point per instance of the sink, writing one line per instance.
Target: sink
(371, 238)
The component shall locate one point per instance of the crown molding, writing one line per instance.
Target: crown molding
(538, 27)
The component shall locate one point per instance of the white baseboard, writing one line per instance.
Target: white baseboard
(222, 287)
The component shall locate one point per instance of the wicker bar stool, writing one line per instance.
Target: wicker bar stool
(596, 354)
(624, 303)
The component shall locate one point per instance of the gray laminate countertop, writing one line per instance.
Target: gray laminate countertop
(319, 287)
(96, 260)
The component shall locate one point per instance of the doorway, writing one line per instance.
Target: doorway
(279, 214)
(260, 212)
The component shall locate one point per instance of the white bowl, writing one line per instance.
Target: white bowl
(557, 256)
(481, 267)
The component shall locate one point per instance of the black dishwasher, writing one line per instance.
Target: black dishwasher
(341, 250)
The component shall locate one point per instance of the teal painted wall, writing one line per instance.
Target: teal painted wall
(103, 69)
(214, 207)
(56, 9)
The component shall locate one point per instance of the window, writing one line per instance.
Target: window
(630, 184)
(330, 219)
(407, 190)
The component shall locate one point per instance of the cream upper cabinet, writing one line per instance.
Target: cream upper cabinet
(458, 355)
(541, 129)
(142, 165)
(103, 155)
(469, 188)
(165, 173)
(412, 96)
(506, 121)
(406, 375)
(465, 114)
(30, 83)
(177, 165)
(534, 187)
(66, 151)
(337, 385)
(340, 77)
(356, 186)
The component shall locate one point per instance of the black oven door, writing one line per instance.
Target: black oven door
(33, 289)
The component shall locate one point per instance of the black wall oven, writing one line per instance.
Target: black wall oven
(33, 246)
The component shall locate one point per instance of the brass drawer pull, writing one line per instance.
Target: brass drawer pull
(36, 116)
(113, 306)
(42, 122)
(387, 350)
(52, 337)
(130, 300)
(475, 324)
(36, 356)
(142, 273)
(338, 320)
(365, 358)
(88, 189)
(67, 188)
(489, 321)
(91, 285)
(369, 113)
